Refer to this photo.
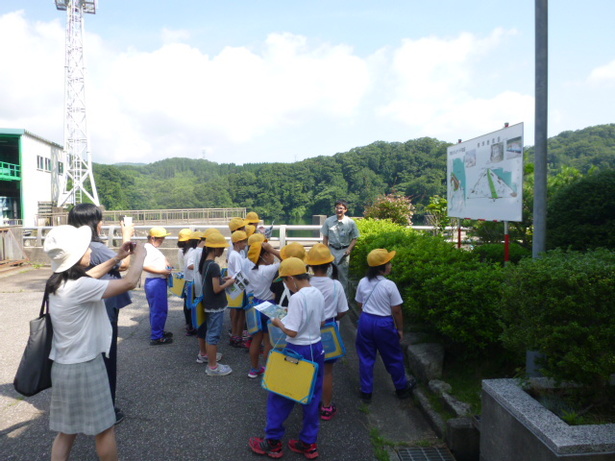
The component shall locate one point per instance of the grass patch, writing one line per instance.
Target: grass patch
(381, 445)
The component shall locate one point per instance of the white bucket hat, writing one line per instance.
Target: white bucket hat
(66, 245)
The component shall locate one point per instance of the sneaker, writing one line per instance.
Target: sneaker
(309, 450)
(220, 370)
(168, 334)
(236, 341)
(190, 331)
(406, 392)
(269, 447)
(256, 372)
(204, 359)
(365, 396)
(119, 416)
(326, 413)
(163, 340)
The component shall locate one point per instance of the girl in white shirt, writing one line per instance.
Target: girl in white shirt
(381, 326)
(81, 396)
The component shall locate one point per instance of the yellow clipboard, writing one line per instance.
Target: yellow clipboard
(332, 341)
(177, 285)
(290, 375)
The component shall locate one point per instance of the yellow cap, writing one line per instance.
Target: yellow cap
(294, 249)
(256, 238)
(252, 218)
(158, 232)
(319, 254)
(196, 235)
(184, 235)
(236, 223)
(216, 241)
(379, 256)
(238, 236)
(292, 266)
(209, 232)
(255, 251)
(250, 229)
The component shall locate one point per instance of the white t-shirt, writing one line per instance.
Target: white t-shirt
(261, 279)
(306, 312)
(195, 257)
(384, 295)
(333, 292)
(81, 326)
(188, 260)
(235, 263)
(156, 259)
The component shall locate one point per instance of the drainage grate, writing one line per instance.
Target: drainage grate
(424, 454)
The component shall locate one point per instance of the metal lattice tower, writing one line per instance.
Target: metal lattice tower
(78, 159)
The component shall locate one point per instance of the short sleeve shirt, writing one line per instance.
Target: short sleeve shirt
(340, 233)
(212, 301)
(154, 258)
(260, 281)
(333, 292)
(306, 312)
(100, 254)
(81, 326)
(378, 295)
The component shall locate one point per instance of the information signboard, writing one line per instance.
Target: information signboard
(485, 176)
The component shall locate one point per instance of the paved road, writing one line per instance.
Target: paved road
(174, 411)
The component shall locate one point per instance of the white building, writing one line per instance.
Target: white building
(30, 172)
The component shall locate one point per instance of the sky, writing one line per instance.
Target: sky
(245, 81)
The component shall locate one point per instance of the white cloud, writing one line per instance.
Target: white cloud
(603, 74)
(242, 102)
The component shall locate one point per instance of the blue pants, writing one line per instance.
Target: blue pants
(156, 294)
(279, 408)
(378, 334)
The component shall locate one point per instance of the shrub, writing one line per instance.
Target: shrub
(494, 252)
(563, 305)
(582, 214)
(395, 207)
(449, 289)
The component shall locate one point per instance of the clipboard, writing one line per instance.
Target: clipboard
(176, 283)
(290, 375)
(253, 321)
(277, 338)
(332, 341)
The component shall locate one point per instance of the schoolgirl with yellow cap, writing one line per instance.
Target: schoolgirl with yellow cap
(381, 326)
(320, 260)
(306, 314)
(214, 302)
(187, 242)
(262, 274)
(236, 305)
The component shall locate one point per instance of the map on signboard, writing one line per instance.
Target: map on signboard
(485, 176)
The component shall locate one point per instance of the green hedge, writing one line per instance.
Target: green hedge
(563, 305)
(447, 288)
(494, 252)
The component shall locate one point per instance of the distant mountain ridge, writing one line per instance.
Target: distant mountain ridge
(294, 191)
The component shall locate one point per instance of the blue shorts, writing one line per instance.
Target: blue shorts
(215, 322)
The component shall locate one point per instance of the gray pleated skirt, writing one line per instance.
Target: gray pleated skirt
(80, 398)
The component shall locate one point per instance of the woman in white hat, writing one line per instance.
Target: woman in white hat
(81, 397)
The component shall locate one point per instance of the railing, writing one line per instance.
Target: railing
(282, 234)
(10, 171)
(34, 237)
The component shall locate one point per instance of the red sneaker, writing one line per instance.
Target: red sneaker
(269, 447)
(309, 450)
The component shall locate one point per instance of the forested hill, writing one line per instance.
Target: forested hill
(291, 191)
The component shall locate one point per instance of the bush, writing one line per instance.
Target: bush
(449, 289)
(582, 214)
(494, 252)
(394, 207)
(563, 305)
